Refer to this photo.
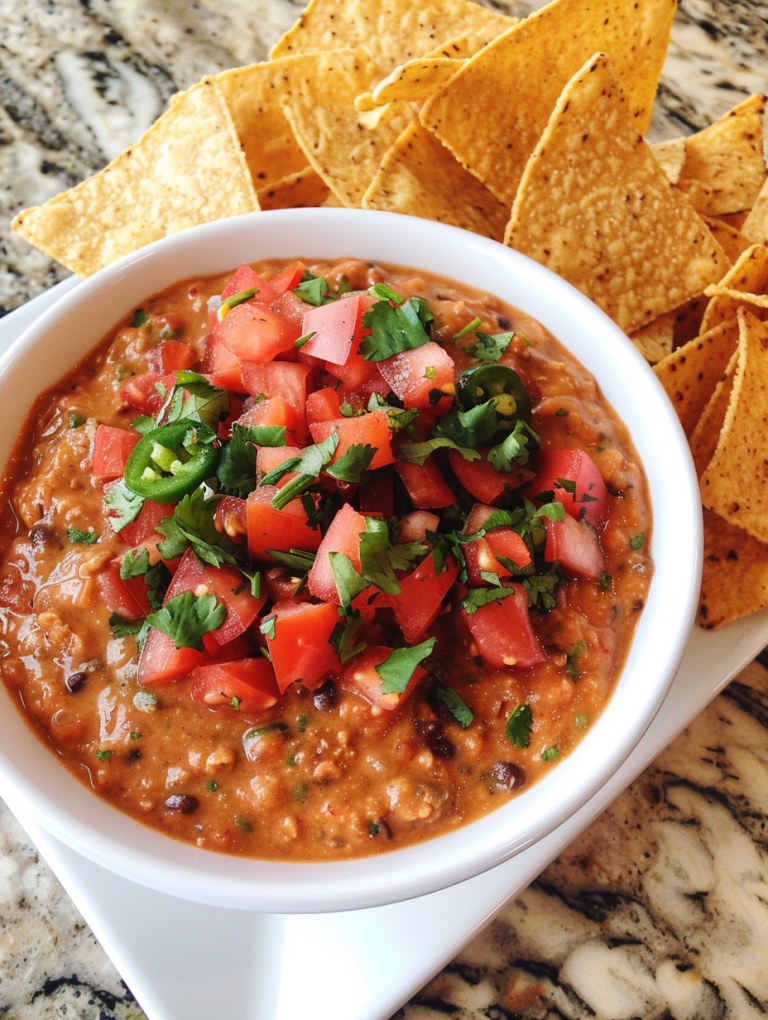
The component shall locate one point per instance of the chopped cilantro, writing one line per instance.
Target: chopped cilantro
(267, 627)
(76, 420)
(476, 598)
(398, 668)
(192, 524)
(235, 703)
(488, 348)
(605, 581)
(395, 329)
(351, 465)
(78, 537)
(302, 721)
(104, 755)
(212, 786)
(343, 637)
(458, 709)
(243, 824)
(298, 344)
(636, 542)
(550, 753)
(572, 660)
(373, 828)
(314, 290)
(468, 329)
(296, 559)
(186, 617)
(121, 627)
(515, 451)
(122, 505)
(237, 467)
(312, 461)
(519, 724)
(139, 318)
(196, 399)
(417, 453)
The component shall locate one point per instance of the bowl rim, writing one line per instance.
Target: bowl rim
(123, 845)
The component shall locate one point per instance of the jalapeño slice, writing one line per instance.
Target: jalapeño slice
(498, 383)
(171, 461)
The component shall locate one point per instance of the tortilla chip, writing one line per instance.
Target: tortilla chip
(420, 177)
(188, 168)
(690, 374)
(735, 220)
(655, 340)
(492, 113)
(732, 241)
(756, 300)
(670, 155)
(271, 151)
(318, 96)
(593, 205)
(724, 165)
(706, 435)
(755, 226)
(302, 190)
(391, 31)
(734, 483)
(734, 578)
(748, 276)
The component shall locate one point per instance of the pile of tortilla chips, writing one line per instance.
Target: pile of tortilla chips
(529, 132)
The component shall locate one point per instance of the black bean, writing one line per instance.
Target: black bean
(41, 535)
(75, 681)
(508, 775)
(441, 746)
(503, 321)
(182, 802)
(325, 696)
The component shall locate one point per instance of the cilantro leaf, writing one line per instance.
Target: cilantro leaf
(78, 537)
(417, 453)
(343, 637)
(395, 329)
(348, 582)
(187, 617)
(237, 467)
(476, 598)
(203, 402)
(516, 449)
(136, 564)
(572, 660)
(314, 290)
(398, 668)
(312, 461)
(121, 627)
(468, 328)
(540, 589)
(460, 711)
(489, 348)
(267, 626)
(375, 564)
(519, 724)
(352, 464)
(296, 559)
(122, 505)
(193, 525)
(472, 428)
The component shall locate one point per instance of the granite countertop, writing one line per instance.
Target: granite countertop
(661, 908)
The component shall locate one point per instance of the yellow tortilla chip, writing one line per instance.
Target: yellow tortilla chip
(318, 96)
(724, 165)
(271, 151)
(392, 31)
(706, 435)
(732, 241)
(304, 189)
(492, 113)
(748, 276)
(420, 177)
(188, 168)
(670, 155)
(734, 484)
(734, 578)
(593, 205)
(690, 374)
(655, 340)
(755, 226)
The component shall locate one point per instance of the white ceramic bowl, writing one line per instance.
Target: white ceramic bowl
(71, 328)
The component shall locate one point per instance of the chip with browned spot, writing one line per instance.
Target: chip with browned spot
(735, 482)
(747, 277)
(755, 226)
(492, 113)
(732, 241)
(188, 168)
(655, 340)
(299, 190)
(734, 578)
(670, 155)
(706, 435)
(593, 204)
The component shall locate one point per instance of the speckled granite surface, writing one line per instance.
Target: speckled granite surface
(661, 908)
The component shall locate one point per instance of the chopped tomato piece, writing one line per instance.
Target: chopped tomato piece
(298, 642)
(221, 367)
(360, 677)
(126, 598)
(268, 458)
(359, 376)
(171, 356)
(142, 391)
(287, 278)
(481, 554)
(246, 278)
(338, 328)
(481, 479)
(323, 405)
(231, 518)
(576, 546)
(144, 527)
(413, 375)
(285, 379)
(372, 429)
(245, 685)
(414, 527)
(254, 333)
(269, 528)
(290, 307)
(162, 663)
(425, 484)
(111, 449)
(503, 633)
(589, 500)
(273, 411)
(343, 536)
(421, 597)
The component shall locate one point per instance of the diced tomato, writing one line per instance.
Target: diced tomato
(480, 555)
(142, 393)
(343, 536)
(576, 546)
(503, 633)
(246, 278)
(221, 366)
(427, 488)
(359, 376)
(360, 677)
(421, 597)
(372, 428)
(414, 527)
(126, 598)
(377, 495)
(273, 411)
(299, 648)
(171, 356)
(413, 375)
(287, 278)
(144, 526)
(279, 583)
(481, 479)
(245, 685)
(254, 333)
(338, 328)
(285, 379)
(589, 501)
(111, 449)
(231, 517)
(290, 307)
(228, 585)
(269, 528)
(162, 663)
(268, 458)
(323, 405)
